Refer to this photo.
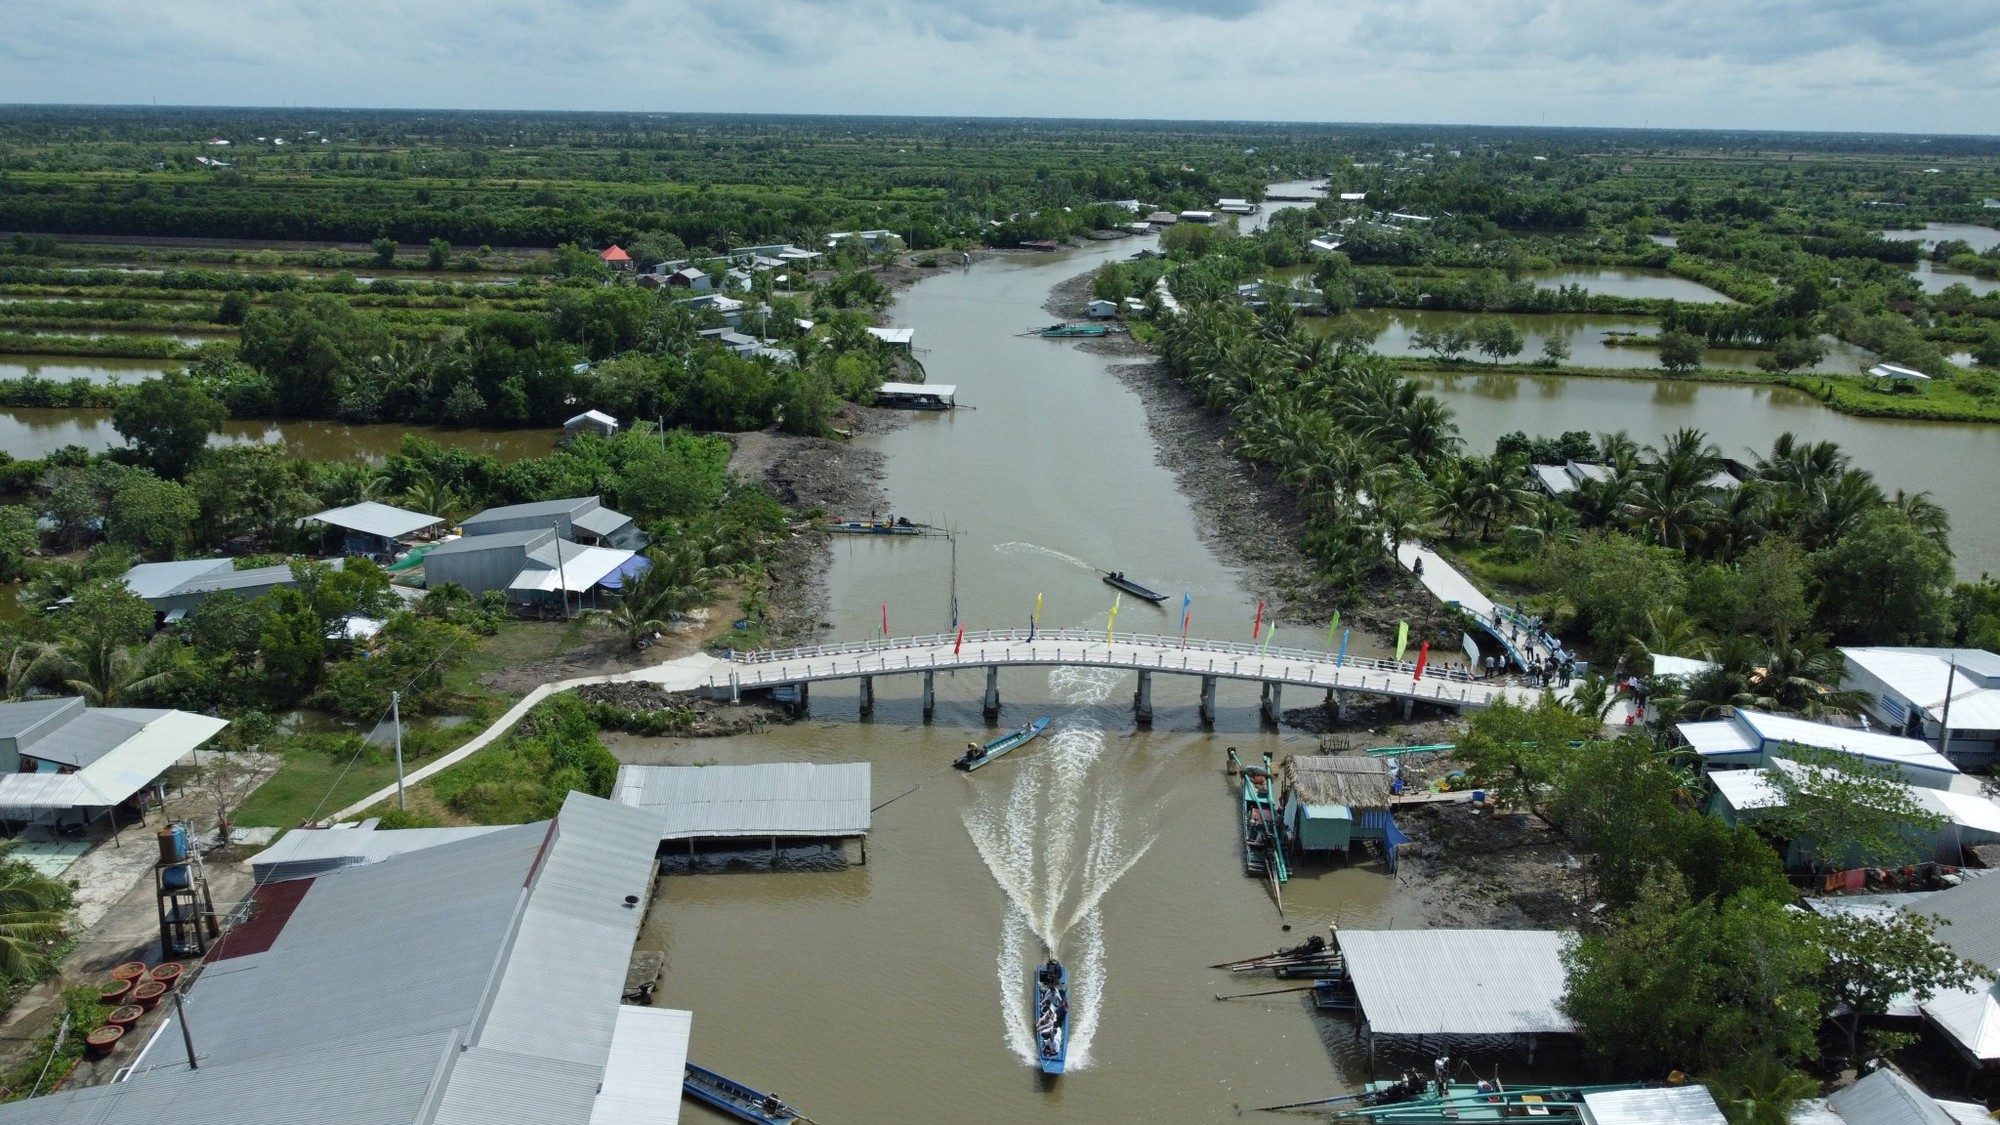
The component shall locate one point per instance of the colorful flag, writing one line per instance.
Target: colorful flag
(1332, 625)
(1111, 625)
(1402, 638)
(1257, 626)
(885, 619)
(1187, 603)
(960, 642)
(1037, 618)
(1268, 634)
(1423, 655)
(1342, 658)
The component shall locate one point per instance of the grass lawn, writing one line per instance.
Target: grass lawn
(310, 783)
(1493, 567)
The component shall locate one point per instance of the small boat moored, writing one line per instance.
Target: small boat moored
(1052, 1016)
(1117, 578)
(737, 1100)
(1069, 331)
(899, 525)
(978, 754)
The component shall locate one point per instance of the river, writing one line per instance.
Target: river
(898, 989)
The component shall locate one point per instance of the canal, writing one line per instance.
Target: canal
(898, 988)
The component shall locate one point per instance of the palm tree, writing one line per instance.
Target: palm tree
(24, 664)
(1803, 678)
(1760, 1090)
(34, 915)
(1924, 514)
(428, 495)
(1672, 514)
(1670, 631)
(109, 675)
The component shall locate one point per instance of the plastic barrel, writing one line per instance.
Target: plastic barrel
(175, 878)
(180, 841)
(1479, 796)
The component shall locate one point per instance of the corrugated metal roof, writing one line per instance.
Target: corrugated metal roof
(772, 799)
(1920, 675)
(372, 1081)
(1971, 913)
(22, 718)
(1661, 1105)
(642, 1078)
(466, 544)
(539, 509)
(580, 568)
(233, 579)
(371, 518)
(1668, 665)
(134, 763)
(600, 520)
(49, 791)
(305, 853)
(1747, 789)
(489, 1087)
(1719, 736)
(1872, 745)
(157, 580)
(1970, 1016)
(92, 732)
(1458, 982)
(1887, 1098)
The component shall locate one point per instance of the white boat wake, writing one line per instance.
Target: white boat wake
(1018, 548)
(1056, 844)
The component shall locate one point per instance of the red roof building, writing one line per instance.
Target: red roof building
(616, 258)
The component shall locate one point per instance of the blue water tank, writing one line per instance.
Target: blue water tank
(180, 841)
(175, 878)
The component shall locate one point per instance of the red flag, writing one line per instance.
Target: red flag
(960, 642)
(885, 619)
(1423, 654)
(1257, 626)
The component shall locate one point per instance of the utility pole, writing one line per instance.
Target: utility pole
(187, 1037)
(1944, 720)
(562, 580)
(396, 716)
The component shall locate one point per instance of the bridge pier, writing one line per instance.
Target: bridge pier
(867, 695)
(930, 695)
(1336, 703)
(1409, 705)
(991, 707)
(1208, 701)
(1274, 707)
(1142, 699)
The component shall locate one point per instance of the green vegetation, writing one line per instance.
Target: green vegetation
(54, 1054)
(528, 774)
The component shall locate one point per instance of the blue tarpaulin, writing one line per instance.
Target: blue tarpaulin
(633, 568)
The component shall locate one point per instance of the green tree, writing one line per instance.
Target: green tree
(439, 254)
(1872, 960)
(312, 350)
(1698, 986)
(1884, 582)
(18, 538)
(1793, 353)
(34, 916)
(1497, 338)
(1518, 752)
(1442, 343)
(1113, 282)
(1555, 349)
(1847, 810)
(1613, 582)
(385, 252)
(149, 515)
(1681, 352)
(292, 644)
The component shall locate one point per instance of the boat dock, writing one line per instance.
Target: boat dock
(917, 396)
(736, 808)
(1421, 983)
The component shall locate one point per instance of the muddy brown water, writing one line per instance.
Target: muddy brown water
(897, 990)
(35, 432)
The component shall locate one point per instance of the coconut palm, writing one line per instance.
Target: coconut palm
(1803, 678)
(34, 914)
(1670, 631)
(1930, 521)
(25, 663)
(436, 498)
(109, 675)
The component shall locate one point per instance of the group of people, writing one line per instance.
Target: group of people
(1053, 1016)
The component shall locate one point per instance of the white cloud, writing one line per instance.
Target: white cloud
(1917, 66)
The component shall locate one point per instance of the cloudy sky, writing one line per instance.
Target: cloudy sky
(1896, 65)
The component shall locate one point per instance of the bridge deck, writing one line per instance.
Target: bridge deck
(1135, 651)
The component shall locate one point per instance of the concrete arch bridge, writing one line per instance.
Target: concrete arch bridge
(1147, 654)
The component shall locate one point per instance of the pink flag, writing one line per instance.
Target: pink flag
(885, 619)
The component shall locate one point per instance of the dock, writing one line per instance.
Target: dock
(737, 808)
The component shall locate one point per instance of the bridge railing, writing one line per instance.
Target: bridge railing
(976, 648)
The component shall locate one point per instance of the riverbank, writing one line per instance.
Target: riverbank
(1940, 400)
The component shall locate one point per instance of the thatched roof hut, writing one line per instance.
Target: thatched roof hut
(1355, 780)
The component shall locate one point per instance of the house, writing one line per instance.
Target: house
(616, 258)
(1404, 217)
(739, 280)
(1101, 309)
(1197, 216)
(1131, 205)
(1755, 738)
(917, 396)
(1163, 218)
(777, 253)
(1353, 196)
(1745, 796)
(478, 979)
(377, 529)
(898, 339)
(177, 589)
(581, 519)
(1886, 1097)
(873, 239)
(690, 279)
(62, 759)
(484, 562)
(1898, 372)
(735, 341)
(1236, 206)
(570, 576)
(1910, 686)
(1325, 244)
(1332, 800)
(1559, 480)
(1970, 917)
(730, 308)
(590, 422)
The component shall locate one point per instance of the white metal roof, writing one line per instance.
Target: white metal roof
(306, 853)
(1896, 371)
(1887, 1098)
(597, 416)
(1967, 810)
(1970, 1016)
(1920, 675)
(1719, 736)
(1458, 982)
(772, 799)
(580, 568)
(1747, 789)
(1665, 665)
(1973, 910)
(642, 1078)
(894, 335)
(1873, 745)
(134, 763)
(1659, 1105)
(1555, 479)
(942, 390)
(157, 580)
(49, 791)
(372, 518)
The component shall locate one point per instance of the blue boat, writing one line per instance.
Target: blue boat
(1051, 1016)
(736, 1099)
(977, 754)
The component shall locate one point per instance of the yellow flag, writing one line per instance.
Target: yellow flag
(1038, 609)
(1110, 626)
(1402, 638)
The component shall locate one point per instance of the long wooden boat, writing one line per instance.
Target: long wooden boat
(736, 1099)
(1416, 1100)
(1051, 994)
(901, 525)
(1314, 948)
(1263, 846)
(1067, 331)
(1117, 578)
(978, 754)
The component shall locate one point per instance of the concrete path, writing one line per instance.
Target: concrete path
(1452, 588)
